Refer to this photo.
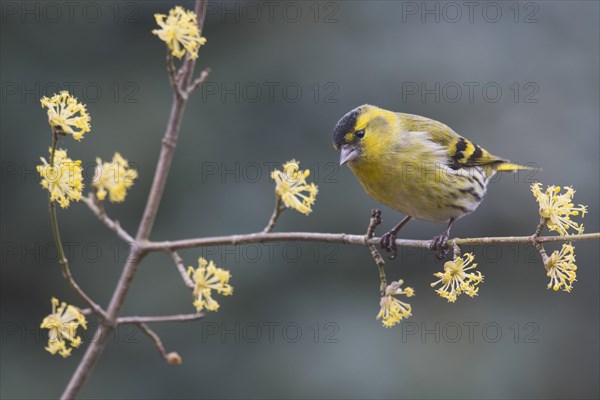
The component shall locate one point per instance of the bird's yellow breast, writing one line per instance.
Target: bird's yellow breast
(409, 173)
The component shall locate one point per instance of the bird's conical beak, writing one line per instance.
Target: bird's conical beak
(348, 153)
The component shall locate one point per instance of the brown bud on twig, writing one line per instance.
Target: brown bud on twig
(174, 358)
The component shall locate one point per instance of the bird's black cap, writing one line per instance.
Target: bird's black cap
(344, 125)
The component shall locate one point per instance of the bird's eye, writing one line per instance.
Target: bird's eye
(360, 134)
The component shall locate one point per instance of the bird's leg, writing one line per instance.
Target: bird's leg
(439, 242)
(388, 241)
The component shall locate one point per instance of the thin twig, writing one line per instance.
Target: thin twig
(373, 223)
(113, 225)
(171, 358)
(199, 80)
(173, 76)
(277, 210)
(186, 72)
(181, 267)
(62, 258)
(77, 289)
(164, 318)
(540, 227)
(456, 252)
(343, 238)
(152, 335)
(536, 236)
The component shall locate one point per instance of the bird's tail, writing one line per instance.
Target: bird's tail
(508, 166)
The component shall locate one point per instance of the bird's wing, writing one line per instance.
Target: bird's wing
(461, 152)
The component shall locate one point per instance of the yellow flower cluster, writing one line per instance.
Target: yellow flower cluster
(113, 178)
(455, 280)
(558, 208)
(290, 185)
(63, 179)
(62, 325)
(207, 278)
(67, 114)
(393, 310)
(561, 268)
(180, 32)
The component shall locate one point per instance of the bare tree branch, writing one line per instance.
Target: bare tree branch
(343, 238)
(164, 318)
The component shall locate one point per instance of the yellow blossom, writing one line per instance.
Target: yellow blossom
(113, 178)
(62, 327)
(179, 29)
(393, 310)
(67, 114)
(455, 280)
(207, 278)
(63, 179)
(290, 185)
(561, 268)
(557, 208)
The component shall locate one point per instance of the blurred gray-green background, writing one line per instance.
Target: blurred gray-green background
(521, 79)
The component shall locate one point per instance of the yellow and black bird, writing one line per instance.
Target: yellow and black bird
(417, 166)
